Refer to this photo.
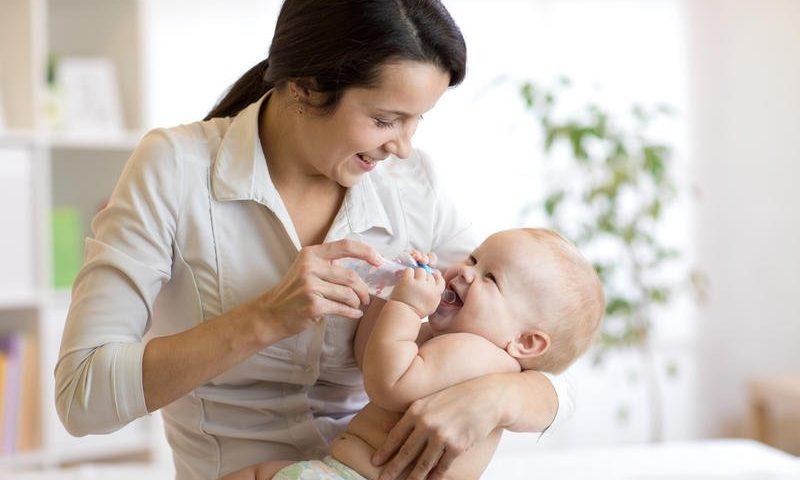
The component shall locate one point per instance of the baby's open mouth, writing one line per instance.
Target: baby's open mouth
(450, 297)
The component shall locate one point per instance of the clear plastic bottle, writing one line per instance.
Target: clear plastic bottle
(381, 280)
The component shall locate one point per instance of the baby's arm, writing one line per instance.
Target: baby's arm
(367, 323)
(397, 371)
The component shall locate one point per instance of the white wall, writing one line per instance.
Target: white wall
(617, 52)
(196, 50)
(745, 93)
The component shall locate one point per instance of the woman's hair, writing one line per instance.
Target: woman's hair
(331, 45)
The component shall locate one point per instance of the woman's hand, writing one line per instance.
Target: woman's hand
(314, 287)
(436, 429)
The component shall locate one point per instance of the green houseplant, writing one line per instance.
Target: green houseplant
(616, 184)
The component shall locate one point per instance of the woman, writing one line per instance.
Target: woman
(209, 289)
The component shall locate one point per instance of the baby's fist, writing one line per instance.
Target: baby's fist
(420, 290)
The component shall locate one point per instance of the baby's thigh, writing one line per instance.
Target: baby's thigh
(261, 471)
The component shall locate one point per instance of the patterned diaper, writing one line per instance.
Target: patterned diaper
(327, 469)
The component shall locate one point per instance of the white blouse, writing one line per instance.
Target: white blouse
(194, 228)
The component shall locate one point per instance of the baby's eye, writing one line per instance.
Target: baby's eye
(472, 260)
(490, 276)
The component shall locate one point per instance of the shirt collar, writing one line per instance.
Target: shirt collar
(240, 172)
(240, 168)
(365, 208)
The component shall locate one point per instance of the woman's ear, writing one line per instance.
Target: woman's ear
(530, 344)
(303, 90)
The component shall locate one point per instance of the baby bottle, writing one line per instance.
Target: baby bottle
(382, 279)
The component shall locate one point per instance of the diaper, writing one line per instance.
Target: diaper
(327, 469)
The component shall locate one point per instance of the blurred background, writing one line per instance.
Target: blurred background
(683, 113)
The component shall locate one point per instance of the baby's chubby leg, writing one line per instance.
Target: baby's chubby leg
(261, 471)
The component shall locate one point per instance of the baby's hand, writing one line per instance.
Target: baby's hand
(430, 259)
(419, 290)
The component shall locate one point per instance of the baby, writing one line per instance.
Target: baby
(524, 299)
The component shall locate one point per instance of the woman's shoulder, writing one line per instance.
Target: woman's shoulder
(195, 142)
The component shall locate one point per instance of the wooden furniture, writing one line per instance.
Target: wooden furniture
(775, 411)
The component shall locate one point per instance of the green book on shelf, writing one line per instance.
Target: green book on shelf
(67, 248)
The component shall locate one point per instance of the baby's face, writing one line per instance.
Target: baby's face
(504, 281)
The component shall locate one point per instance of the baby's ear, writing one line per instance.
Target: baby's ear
(530, 344)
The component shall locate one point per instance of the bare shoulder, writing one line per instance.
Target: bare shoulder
(471, 350)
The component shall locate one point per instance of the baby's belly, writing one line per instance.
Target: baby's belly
(368, 430)
(365, 433)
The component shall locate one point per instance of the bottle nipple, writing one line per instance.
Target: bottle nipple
(448, 296)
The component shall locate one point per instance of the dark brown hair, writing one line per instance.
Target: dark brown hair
(332, 45)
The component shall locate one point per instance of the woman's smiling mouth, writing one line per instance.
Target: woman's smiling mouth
(366, 162)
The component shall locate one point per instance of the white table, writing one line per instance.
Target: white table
(700, 460)
(697, 460)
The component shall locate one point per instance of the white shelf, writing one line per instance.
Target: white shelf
(61, 168)
(17, 138)
(116, 141)
(122, 141)
(133, 439)
(19, 300)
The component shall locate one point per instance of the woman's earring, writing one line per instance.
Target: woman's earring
(299, 105)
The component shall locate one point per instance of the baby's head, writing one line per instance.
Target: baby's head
(530, 292)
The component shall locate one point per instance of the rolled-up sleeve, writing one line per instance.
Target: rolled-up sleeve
(98, 377)
(453, 239)
(565, 392)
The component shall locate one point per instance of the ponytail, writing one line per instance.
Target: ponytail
(249, 88)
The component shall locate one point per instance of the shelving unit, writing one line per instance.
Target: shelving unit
(46, 169)
(172, 59)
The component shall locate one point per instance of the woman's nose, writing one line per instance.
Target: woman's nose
(400, 145)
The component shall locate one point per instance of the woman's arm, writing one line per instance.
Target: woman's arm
(174, 365)
(455, 419)
(106, 376)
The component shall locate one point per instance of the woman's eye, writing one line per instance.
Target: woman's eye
(383, 123)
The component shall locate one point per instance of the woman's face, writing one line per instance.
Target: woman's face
(369, 124)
